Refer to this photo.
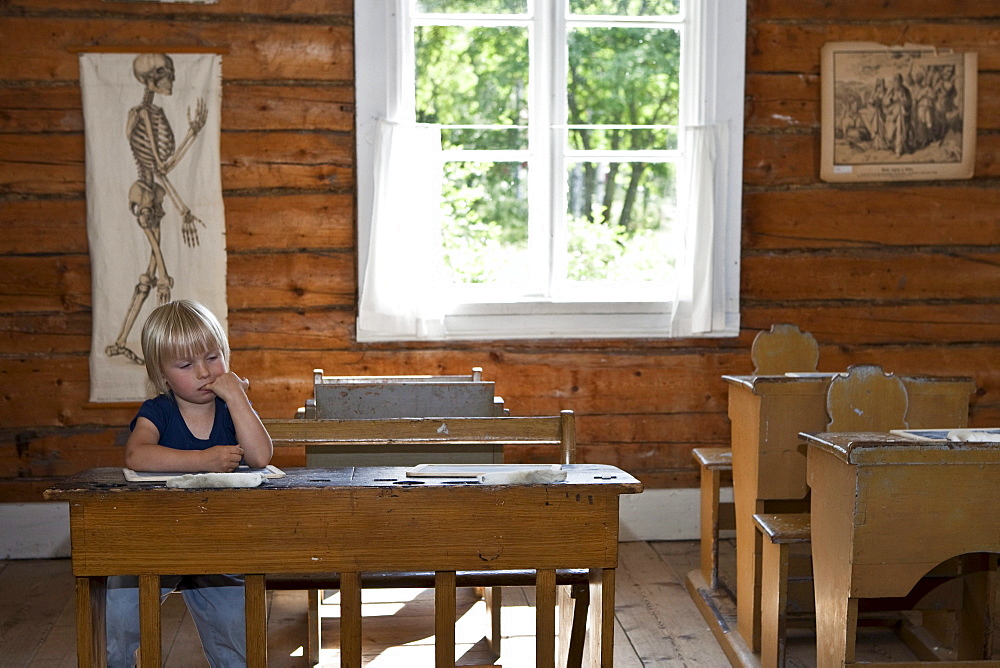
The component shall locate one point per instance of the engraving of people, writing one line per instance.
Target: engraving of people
(874, 115)
(153, 147)
(898, 107)
(945, 101)
(922, 91)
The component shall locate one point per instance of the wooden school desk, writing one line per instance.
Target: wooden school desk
(769, 460)
(348, 520)
(886, 510)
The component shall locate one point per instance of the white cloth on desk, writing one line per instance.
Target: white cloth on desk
(202, 480)
(973, 436)
(525, 477)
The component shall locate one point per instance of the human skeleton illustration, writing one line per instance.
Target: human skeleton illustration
(152, 142)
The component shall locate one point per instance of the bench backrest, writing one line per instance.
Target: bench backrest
(375, 397)
(866, 399)
(783, 349)
(557, 430)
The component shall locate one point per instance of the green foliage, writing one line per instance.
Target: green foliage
(618, 211)
(602, 253)
(625, 7)
(473, 6)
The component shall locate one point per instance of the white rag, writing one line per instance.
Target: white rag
(201, 480)
(524, 477)
(972, 436)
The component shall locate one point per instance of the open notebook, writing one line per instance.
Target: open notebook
(268, 471)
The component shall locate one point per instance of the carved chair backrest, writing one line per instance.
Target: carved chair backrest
(783, 349)
(866, 399)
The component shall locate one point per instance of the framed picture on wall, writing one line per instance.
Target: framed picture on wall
(897, 113)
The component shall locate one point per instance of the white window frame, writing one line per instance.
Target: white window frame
(721, 25)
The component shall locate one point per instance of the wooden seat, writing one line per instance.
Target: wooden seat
(716, 515)
(782, 349)
(780, 531)
(864, 399)
(553, 436)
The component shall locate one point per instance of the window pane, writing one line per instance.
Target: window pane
(471, 6)
(472, 76)
(621, 221)
(598, 138)
(625, 7)
(485, 227)
(623, 76)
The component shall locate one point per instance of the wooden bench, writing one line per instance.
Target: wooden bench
(864, 399)
(779, 532)
(782, 349)
(716, 515)
(413, 441)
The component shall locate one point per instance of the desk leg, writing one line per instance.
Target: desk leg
(444, 619)
(350, 620)
(314, 622)
(91, 639)
(979, 577)
(749, 550)
(573, 603)
(493, 597)
(601, 648)
(545, 618)
(149, 621)
(255, 609)
(836, 625)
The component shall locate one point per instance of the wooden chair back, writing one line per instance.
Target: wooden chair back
(783, 349)
(866, 399)
(558, 430)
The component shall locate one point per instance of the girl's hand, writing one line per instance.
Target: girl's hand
(222, 458)
(229, 386)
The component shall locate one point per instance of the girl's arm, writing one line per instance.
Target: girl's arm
(144, 453)
(250, 431)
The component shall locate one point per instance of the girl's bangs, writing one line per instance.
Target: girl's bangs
(188, 343)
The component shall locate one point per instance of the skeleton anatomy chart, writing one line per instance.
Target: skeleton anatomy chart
(155, 219)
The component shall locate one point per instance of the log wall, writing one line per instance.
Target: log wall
(905, 275)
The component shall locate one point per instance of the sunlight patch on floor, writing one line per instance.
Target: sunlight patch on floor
(517, 625)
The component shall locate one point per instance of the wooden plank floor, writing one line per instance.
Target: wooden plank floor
(657, 623)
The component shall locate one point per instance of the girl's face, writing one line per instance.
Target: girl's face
(188, 376)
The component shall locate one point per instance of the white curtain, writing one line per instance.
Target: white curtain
(695, 310)
(403, 287)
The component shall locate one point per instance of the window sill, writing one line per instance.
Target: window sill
(548, 320)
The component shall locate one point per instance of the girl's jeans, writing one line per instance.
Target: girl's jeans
(214, 601)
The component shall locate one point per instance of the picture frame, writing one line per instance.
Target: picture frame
(889, 113)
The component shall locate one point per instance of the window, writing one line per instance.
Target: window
(549, 168)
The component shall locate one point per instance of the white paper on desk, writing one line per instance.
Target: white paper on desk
(270, 471)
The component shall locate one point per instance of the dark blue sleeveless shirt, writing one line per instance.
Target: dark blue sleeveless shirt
(163, 412)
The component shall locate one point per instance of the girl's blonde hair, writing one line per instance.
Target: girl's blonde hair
(181, 328)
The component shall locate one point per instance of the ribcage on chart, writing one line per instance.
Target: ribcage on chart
(143, 145)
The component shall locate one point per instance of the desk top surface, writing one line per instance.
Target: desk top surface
(103, 480)
(889, 448)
